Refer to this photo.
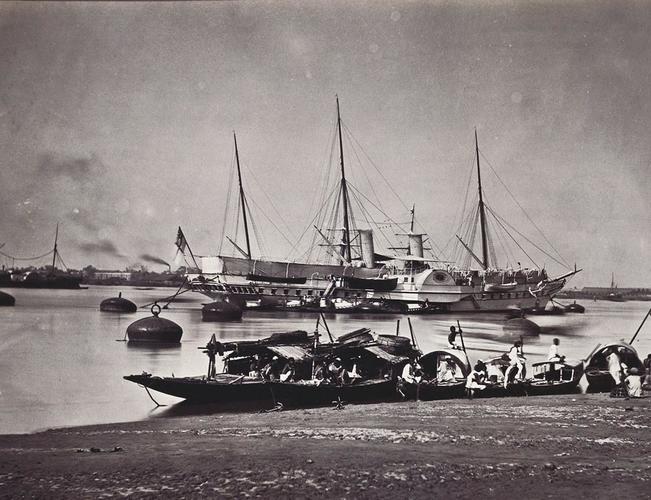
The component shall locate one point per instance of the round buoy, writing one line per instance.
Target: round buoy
(575, 308)
(521, 326)
(221, 311)
(7, 300)
(118, 304)
(154, 329)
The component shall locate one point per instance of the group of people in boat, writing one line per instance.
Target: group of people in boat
(629, 381)
(328, 370)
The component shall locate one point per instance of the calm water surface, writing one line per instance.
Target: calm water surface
(61, 361)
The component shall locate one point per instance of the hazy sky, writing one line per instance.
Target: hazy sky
(117, 119)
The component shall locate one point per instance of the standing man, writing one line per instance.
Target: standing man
(452, 338)
(515, 361)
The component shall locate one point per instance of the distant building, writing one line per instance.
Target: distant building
(112, 275)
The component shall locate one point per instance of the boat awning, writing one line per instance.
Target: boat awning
(382, 354)
(291, 351)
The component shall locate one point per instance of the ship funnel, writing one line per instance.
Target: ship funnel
(415, 244)
(368, 249)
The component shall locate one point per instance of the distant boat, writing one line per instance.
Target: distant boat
(614, 295)
(52, 278)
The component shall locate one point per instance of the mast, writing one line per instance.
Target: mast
(413, 213)
(242, 199)
(344, 189)
(482, 213)
(54, 253)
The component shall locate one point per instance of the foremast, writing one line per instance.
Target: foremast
(242, 199)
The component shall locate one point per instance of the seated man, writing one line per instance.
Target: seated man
(412, 373)
(633, 383)
(289, 372)
(476, 379)
(445, 372)
(335, 371)
(271, 370)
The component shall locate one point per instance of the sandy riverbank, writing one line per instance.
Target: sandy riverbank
(535, 447)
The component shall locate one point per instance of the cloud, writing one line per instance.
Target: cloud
(103, 246)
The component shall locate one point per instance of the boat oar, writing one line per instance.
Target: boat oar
(463, 345)
(640, 327)
(413, 337)
(325, 323)
(398, 328)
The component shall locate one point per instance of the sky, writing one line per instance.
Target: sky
(116, 121)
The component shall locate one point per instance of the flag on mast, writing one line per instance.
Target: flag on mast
(181, 242)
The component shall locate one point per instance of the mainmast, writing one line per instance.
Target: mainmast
(54, 253)
(344, 190)
(482, 213)
(242, 200)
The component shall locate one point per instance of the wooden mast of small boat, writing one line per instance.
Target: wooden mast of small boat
(242, 199)
(344, 189)
(55, 251)
(482, 213)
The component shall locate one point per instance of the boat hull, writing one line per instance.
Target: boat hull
(430, 391)
(222, 390)
(295, 394)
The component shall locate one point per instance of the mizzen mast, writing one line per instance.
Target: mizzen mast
(482, 212)
(242, 199)
(55, 251)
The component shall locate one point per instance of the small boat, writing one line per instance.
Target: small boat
(575, 308)
(432, 385)
(118, 304)
(554, 377)
(235, 384)
(295, 280)
(500, 287)
(596, 365)
(221, 311)
(377, 383)
(6, 299)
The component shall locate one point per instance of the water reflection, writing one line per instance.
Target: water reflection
(62, 340)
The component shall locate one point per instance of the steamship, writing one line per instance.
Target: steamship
(404, 281)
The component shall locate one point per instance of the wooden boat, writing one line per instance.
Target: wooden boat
(431, 387)
(296, 280)
(596, 365)
(575, 308)
(221, 311)
(305, 393)
(500, 287)
(223, 388)
(552, 377)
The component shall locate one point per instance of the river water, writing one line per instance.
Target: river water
(62, 360)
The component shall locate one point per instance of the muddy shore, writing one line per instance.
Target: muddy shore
(528, 447)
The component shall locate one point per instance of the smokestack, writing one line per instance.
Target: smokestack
(368, 248)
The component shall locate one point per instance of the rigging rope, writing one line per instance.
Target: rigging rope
(526, 214)
(26, 258)
(501, 220)
(229, 189)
